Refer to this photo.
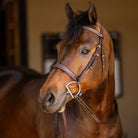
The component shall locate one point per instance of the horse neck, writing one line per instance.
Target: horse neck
(101, 99)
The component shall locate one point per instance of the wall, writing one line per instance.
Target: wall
(120, 15)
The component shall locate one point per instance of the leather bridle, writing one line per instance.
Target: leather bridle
(77, 79)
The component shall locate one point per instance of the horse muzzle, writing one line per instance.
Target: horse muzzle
(53, 103)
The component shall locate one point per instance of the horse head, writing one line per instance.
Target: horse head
(85, 58)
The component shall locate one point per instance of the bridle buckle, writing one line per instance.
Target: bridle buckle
(69, 91)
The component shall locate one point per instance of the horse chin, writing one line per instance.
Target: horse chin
(63, 105)
(48, 110)
(62, 109)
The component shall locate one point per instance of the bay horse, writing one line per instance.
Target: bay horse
(77, 96)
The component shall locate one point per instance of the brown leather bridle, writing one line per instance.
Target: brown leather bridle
(77, 79)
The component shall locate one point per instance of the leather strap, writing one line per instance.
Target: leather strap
(92, 60)
(90, 63)
(89, 66)
(92, 30)
(92, 113)
(65, 69)
(56, 124)
(64, 124)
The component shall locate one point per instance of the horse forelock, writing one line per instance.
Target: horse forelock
(74, 27)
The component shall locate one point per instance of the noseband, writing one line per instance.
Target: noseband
(77, 79)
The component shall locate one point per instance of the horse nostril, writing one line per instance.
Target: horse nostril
(50, 99)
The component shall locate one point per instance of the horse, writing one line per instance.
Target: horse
(76, 99)
(81, 83)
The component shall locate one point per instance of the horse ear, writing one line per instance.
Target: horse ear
(92, 13)
(69, 12)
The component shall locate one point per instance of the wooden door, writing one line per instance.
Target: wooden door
(12, 33)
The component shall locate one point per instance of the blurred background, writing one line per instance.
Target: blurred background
(28, 27)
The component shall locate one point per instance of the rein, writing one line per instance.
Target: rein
(77, 79)
(64, 124)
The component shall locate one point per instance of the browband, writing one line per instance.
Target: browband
(92, 30)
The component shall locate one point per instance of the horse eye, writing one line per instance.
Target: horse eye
(85, 51)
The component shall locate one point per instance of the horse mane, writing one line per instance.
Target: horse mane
(74, 27)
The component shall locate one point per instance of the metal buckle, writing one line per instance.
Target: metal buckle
(69, 91)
